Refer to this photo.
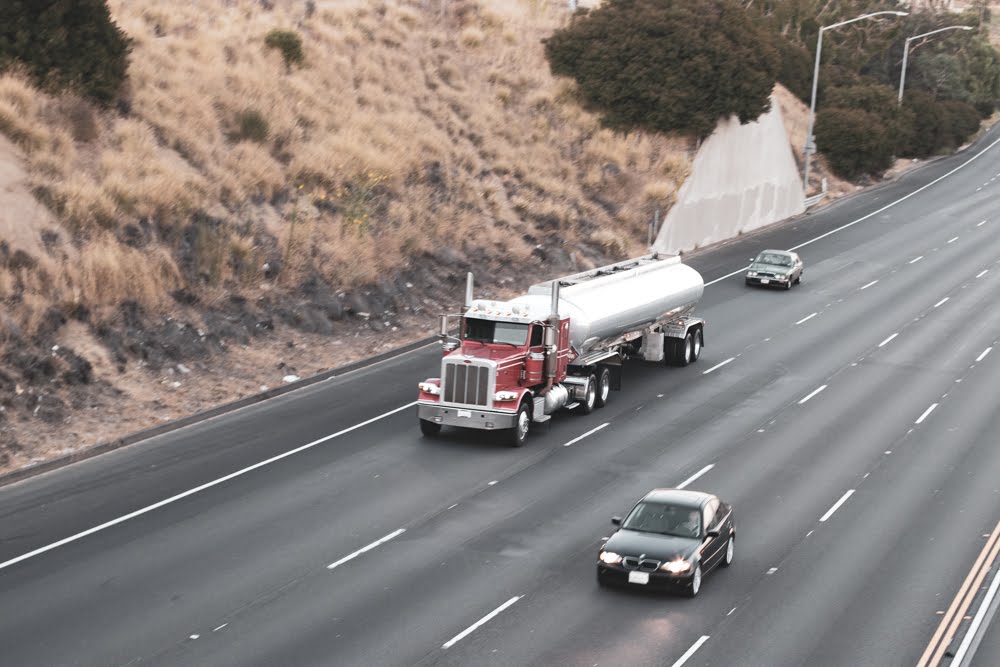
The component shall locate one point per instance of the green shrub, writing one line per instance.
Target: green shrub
(961, 121)
(795, 68)
(289, 44)
(65, 44)
(252, 126)
(929, 134)
(854, 141)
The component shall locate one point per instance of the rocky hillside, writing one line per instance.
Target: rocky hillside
(238, 219)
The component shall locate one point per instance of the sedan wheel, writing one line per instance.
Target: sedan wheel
(695, 582)
(730, 549)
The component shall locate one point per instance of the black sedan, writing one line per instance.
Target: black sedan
(669, 541)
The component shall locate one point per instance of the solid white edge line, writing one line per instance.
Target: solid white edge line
(941, 302)
(695, 476)
(869, 284)
(691, 651)
(807, 318)
(916, 259)
(395, 533)
(984, 353)
(977, 621)
(836, 506)
(982, 273)
(197, 489)
(590, 432)
(485, 619)
(888, 340)
(926, 413)
(814, 392)
(718, 366)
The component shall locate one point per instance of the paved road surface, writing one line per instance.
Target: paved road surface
(852, 422)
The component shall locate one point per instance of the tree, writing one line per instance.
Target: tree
(65, 43)
(667, 65)
(854, 142)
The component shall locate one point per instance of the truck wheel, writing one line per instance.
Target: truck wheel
(683, 350)
(697, 342)
(590, 396)
(522, 424)
(603, 387)
(429, 429)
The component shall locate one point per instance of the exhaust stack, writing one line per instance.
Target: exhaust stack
(552, 340)
(468, 290)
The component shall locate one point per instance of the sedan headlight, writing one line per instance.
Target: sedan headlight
(502, 396)
(676, 566)
(430, 388)
(751, 274)
(610, 557)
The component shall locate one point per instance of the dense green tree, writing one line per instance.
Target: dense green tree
(667, 65)
(65, 43)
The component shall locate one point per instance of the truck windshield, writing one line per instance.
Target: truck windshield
(488, 331)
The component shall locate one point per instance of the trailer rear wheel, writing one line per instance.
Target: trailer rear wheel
(697, 342)
(590, 396)
(603, 387)
(429, 428)
(522, 424)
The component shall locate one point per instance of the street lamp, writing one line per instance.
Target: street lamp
(810, 146)
(906, 52)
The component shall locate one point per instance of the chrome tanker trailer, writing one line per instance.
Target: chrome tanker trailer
(561, 345)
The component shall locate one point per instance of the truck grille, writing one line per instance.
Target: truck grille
(467, 384)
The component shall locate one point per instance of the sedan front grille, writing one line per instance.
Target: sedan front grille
(467, 384)
(644, 564)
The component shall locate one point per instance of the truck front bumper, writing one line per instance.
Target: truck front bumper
(469, 417)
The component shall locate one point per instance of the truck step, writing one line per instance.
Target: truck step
(541, 419)
(570, 406)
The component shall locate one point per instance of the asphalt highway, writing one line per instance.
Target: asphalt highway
(852, 422)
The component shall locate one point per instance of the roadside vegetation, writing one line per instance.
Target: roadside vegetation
(693, 61)
(322, 167)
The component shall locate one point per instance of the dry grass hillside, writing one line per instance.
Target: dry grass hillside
(306, 215)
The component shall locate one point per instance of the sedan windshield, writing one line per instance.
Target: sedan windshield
(489, 331)
(774, 259)
(664, 519)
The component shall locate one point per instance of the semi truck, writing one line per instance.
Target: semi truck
(561, 346)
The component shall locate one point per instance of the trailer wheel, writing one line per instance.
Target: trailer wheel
(590, 396)
(522, 424)
(603, 387)
(683, 350)
(697, 342)
(429, 428)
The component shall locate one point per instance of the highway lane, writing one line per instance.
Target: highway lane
(242, 565)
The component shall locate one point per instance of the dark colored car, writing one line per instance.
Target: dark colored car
(776, 268)
(669, 541)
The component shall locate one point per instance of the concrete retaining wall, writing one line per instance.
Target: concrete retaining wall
(743, 177)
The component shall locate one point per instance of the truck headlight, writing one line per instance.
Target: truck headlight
(430, 388)
(502, 396)
(610, 557)
(676, 566)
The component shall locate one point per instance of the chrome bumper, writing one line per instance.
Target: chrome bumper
(468, 417)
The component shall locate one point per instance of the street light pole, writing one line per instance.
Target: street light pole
(906, 52)
(810, 146)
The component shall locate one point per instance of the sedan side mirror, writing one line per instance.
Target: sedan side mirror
(712, 533)
(616, 521)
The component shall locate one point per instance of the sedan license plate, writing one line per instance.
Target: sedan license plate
(635, 577)
(465, 413)
(764, 281)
